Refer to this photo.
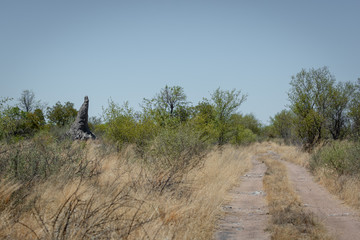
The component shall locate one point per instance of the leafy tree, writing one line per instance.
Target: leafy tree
(282, 124)
(15, 122)
(338, 105)
(61, 114)
(204, 120)
(123, 126)
(11, 121)
(249, 121)
(309, 97)
(171, 98)
(35, 120)
(354, 110)
(242, 135)
(225, 104)
(168, 106)
(121, 123)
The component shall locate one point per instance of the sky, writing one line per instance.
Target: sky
(129, 50)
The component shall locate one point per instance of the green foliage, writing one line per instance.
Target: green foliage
(96, 126)
(10, 118)
(343, 157)
(336, 112)
(283, 125)
(225, 104)
(170, 99)
(18, 124)
(204, 121)
(354, 111)
(250, 122)
(120, 123)
(124, 126)
(168, 107)
(37, 158)
(319, 105)
(61, 115)
(176, 149)
(243, 135)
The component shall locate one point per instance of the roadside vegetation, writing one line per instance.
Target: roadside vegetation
(161, 173)
(323, 123)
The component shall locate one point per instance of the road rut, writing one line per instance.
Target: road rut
(247, 213)
(341, 221)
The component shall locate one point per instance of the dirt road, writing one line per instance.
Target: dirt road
(246, 214)
(341, 221)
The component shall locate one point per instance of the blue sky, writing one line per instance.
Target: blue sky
(129, 50)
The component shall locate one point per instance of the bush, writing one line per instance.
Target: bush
(176, 148)
(243, 135)
(172, 153)
(340, 156)
(39, 157)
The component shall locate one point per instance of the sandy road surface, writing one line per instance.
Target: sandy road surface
(246, 214)
(341, 221)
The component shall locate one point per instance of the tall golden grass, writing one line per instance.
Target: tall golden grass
(115, 198)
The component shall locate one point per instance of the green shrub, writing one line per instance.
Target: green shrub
(124, 126)
(37, 158)
(176, 148)
(243, 135)
(340, 156)
(173, 153)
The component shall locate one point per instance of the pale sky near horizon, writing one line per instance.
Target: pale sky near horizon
(129, 50)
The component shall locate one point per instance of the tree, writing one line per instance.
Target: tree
(27, 101)
(168, 105)
(338, 106)
(11, 121)
(309, 98)
(354, 110)
(204, 120)
(249, 121)
(61, 114)
(244, 128)
(123, 126)
(225, 104)
(171, 98)
(15, 122)
(282, 124)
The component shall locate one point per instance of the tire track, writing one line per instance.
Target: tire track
(340, 220)
(247, 213)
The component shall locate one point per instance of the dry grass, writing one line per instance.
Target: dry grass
(290, 153)
(116, 199)
(345, 187)
(7, 188)
(289, 219)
